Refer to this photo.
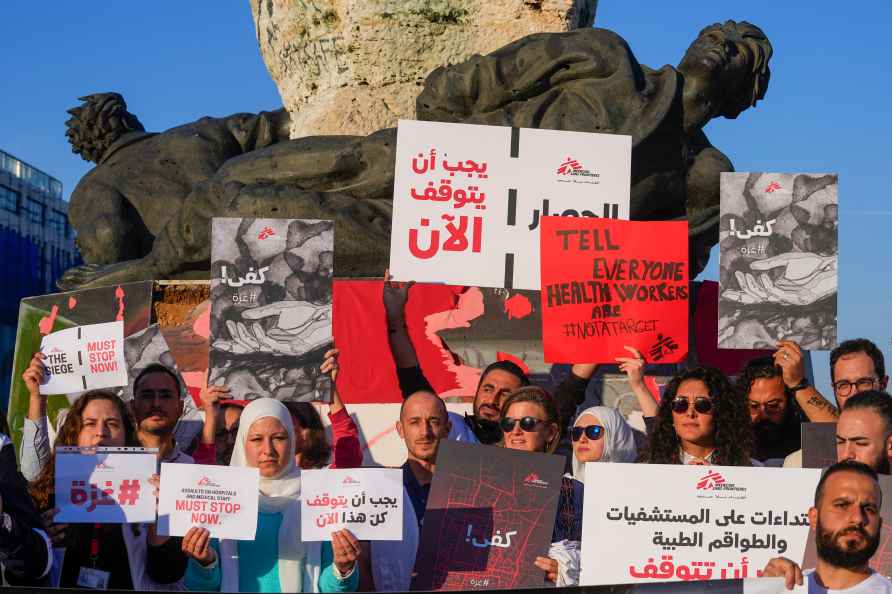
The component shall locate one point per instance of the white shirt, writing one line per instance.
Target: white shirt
(875, 584)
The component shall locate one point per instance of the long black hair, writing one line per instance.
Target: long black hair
(733, 432)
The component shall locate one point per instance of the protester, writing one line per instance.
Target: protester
(601, 434)
(855, 366)
(26, 554)
(277, 560)
(496, 381)
(846, 519)
(312, 447)
(157, 405)
(221, 421)
(422, 424)
(864, 430)
(531, 422)
(779, 400)
(130, 556)
(701, 420)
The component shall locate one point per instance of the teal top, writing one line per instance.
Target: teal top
(258, 566)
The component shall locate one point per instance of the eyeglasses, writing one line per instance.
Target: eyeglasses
(844, 388)
(770, 407)
(591, 431)
(526, 424)
(702, 405)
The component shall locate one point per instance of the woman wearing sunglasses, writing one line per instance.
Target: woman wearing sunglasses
(530, 422)
(701, 420)
(601, 434)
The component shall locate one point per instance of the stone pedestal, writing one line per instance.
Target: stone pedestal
(356, 66)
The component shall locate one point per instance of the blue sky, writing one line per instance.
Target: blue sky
(176, 61)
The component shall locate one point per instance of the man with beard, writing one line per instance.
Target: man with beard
(864, 430)
(779, 399)
(496, 381)
(157, 405)
(847, 522)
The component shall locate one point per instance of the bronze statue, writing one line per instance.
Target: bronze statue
(585, 80)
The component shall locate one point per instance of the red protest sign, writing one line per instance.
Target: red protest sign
(607, 284)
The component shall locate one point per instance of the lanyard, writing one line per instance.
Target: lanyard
(94, 544)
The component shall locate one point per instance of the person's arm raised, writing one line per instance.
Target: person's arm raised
(633, 367)
(790, 359)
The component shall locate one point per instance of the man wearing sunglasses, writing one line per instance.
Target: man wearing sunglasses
(779, 399)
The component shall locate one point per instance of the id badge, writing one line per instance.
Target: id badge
(93, 578)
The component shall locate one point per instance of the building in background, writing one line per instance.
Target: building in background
(36, 246)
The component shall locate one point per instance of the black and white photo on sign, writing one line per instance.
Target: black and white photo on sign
(271, 288)
(778, 269)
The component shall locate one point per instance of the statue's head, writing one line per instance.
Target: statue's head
(727, 68)
(95, 125)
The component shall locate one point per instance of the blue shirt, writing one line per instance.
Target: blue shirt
(418, 493)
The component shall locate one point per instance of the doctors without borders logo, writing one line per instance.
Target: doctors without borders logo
(713, 484)
(571, 170)
(349, 480)
(206, 482)
(533, 480)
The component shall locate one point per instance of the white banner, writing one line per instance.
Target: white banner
(366, 501)
(702, 523)
(468, 200)
(105, 485)
(222, 499)
(87, 357)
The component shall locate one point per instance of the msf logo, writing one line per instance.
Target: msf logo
(569, 166)
(349, 481)
(533, 480)
(206, 482)
(710, 481)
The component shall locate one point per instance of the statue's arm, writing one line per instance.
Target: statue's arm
(108, 228)
(519, 71)
(256, 131)
(707, 164)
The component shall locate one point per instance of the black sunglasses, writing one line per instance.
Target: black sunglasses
(591, 431)
(702, 405)
(526, 423)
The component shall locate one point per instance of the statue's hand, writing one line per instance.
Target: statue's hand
(75, 277)
(807, 278)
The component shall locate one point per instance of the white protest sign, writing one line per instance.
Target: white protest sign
(366, 501)
(702, 523)
(222, 499)
(105, 485)
(87, 357)
(468, 200)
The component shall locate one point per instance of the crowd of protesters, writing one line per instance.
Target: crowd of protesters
(702, 417)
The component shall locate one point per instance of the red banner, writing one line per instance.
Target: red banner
(607, 284)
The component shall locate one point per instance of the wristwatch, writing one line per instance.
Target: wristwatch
(800, 386)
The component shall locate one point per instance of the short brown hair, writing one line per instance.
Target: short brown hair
(539, 396)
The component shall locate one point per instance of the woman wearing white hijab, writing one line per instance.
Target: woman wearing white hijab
(276, 560)
(601, 434)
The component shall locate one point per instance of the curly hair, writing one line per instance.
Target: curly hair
(315, 451)
(99, 122)
(43, 487)
(759, 368)
(539, 396)
(733, 432)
